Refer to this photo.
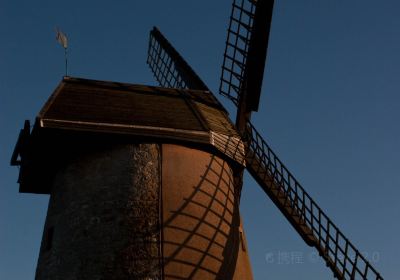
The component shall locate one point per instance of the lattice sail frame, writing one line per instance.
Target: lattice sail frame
(236, 49)
(305, 215)
(169, 67)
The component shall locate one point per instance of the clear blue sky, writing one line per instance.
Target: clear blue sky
(330, 109)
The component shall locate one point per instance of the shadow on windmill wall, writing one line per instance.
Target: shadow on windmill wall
(201, 217)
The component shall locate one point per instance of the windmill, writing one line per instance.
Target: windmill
(241, 80)
(150, 187)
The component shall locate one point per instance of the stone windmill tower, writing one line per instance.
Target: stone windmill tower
(145, 181)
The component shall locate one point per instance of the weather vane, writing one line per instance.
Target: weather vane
(63, 40)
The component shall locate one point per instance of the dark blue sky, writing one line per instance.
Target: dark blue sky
(329, 108)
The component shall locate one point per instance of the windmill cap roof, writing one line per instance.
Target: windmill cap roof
(110, 110)
(126, 108)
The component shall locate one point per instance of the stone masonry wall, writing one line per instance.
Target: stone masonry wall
(103, 216)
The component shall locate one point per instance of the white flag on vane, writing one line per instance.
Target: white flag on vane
(61, 38)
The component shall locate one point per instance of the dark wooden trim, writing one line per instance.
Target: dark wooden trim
(171, 133)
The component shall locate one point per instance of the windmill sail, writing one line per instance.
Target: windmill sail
(245, 52)
(241, 80)
(313, 225)
(168, 66)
